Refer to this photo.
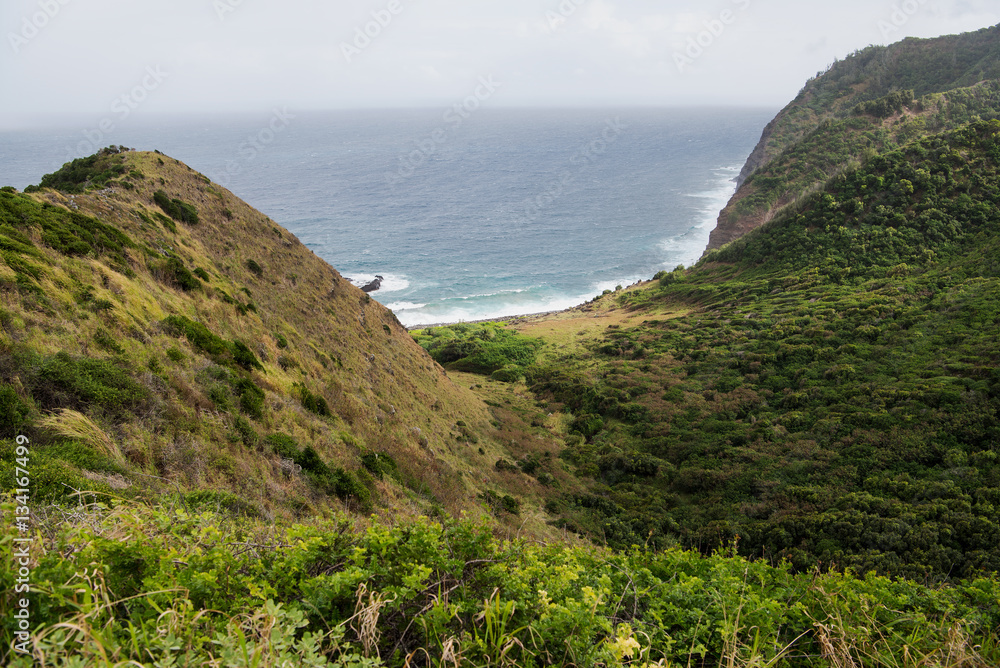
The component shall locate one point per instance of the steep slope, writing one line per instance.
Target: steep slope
(870, 103)
(159, 334)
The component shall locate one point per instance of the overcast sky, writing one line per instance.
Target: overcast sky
(93, 57)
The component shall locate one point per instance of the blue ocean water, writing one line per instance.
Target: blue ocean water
(466, 216)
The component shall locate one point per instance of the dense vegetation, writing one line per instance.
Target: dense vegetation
(186, 588)
(872, 102)
(486, 348)
(833, 398)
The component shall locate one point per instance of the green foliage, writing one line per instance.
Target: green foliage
(14, 412)
(220, 502)
(832, 398)
(251, 397)
(484, 348)
(177, 209)
(374, 596)
(202, 274)
(245, 431)
(200, 336)
(884, 107)
(181, 275)
(105, 340)
(281, 341)
(51, 478)
(220, 350)
(312, 402)
(82, 174)
(255, 268)
(380, 464)
(284, 446)
(67, 232)
(81, 383)
(245, 357)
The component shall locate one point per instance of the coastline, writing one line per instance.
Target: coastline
(525, 318)
(510, 319)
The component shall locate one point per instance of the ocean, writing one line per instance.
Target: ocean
(466, 215)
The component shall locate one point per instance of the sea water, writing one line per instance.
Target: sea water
(465, 216)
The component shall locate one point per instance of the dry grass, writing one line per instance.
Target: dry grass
(76, 426)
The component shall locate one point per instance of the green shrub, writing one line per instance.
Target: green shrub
(104, 339)
(202, 274)
(200, 336)
(64, 381)
(180, 274)
(251, 398)
(314, 403)
(221, 396)
(281, 341)
(380, 464)
(166, 222)
(484, 348)
(255, 268)
(177, 209)
(210, 343)
(508, 374)
(83, 457)
(244, 356)
(284, 446)
(86, 173)
(51, 480)
(14, 412)
(221, 502)
(246, 432)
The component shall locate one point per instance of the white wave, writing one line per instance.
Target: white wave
(686, 248)
(396, 307)
(390, 282)
(501, 304)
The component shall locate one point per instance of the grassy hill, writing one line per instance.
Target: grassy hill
(870, 103)
(160, 335)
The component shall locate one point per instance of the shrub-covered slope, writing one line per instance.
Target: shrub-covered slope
(158, 334)
(872, 102)
(831, 397)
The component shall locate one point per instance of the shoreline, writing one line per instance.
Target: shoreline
(506, 318)
(527, 317)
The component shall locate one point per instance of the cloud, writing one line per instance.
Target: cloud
(428, 52)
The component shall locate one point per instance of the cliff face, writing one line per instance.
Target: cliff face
(856, 110)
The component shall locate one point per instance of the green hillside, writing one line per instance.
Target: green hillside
(830, 396)
(872, 102)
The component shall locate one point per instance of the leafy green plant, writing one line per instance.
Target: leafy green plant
(177, 209)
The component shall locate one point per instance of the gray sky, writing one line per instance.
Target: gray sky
(149, 57)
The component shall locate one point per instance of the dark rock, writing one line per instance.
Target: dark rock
(374, 285)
